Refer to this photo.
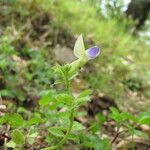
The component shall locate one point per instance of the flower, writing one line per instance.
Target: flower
(92, 52)
(82, 54)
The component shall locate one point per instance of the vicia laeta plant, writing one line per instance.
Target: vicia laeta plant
(65, 101)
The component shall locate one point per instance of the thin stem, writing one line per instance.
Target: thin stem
(69, 130)
(60, 144)
(132, 142)
(117, 134)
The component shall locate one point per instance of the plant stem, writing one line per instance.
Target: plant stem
(117, 134)
(60, 144)
(132, 142)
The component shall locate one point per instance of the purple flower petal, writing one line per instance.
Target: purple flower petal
(93, 52)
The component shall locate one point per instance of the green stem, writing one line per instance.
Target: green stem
(60, 144)
(63, 141)
(132, 142)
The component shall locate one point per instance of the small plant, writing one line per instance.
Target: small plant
(128, 125)
(65, 100)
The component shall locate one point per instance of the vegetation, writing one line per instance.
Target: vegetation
(66, 107)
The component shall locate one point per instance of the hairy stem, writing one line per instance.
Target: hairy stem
(60, 144)
(63, 141)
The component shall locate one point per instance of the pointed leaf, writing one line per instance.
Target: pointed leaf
(56, 131)
(46, 98)
(85, 93)
(77, 126)
(33, 121)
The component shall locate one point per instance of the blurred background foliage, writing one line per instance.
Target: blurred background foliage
(34, 34)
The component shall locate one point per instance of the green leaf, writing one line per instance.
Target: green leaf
(83, 98)
(77, 126)
(114, 110)
(81, 101)
(18, 137)
(79, 49)
(145, 114)
(31, 137)
(34, 120)
(85, 93)
(7, 93)
(4, 119)
(58, 82)
(64, 98)
(64, 114)
(144, 118)
(145, 121)
(74, 138)
(101, 118)
(95, 127)
(140, 134)
(11, 144)
(116, 117)
(56, 131)
(115, 114)
(46, 98)
(94, 142)
(129, 116)
(16, 120)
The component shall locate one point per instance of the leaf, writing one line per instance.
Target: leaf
(64, 114)
(140, 134)
(56, 131)
(83, 98)
(4, 119)
(79, 48)
(115, 114)
(85, 93)
(116, 117)
(129, 116)
(31, 137)
(81, 101)
(11, 144)
(7, 93)
(18, 137)
(58, 82)
(77, 126)
(34, 120)
(64, 98)
(95, 127)
(145, 121)
(101, 118)
(145, 114)
(16, 120)
(94, 142)
(144, 118)
(46, 98)
(74, 138)
(114, 110)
